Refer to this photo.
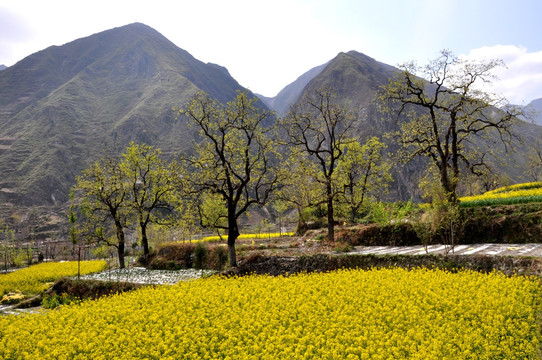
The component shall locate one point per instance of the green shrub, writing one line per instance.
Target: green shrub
(403, 209)
(343, 247)
(200, 255)
(320, 237)
(54, 300)
(218, 257)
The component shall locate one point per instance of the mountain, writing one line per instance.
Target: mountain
(290, 94)
(64, 106)
(2, 67)
(350, 73)
(356, 78)
(536, 107)
(353, 76)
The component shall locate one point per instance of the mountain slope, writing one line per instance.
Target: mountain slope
(62, 107)
(355, 78)
(536, 106)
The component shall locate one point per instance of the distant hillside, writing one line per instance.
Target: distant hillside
(290, 94)
(2, 67)
(62, 107)
(536, 106)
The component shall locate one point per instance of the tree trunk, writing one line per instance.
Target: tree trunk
(120, 247)
(330, 219)
(121, 255)
(144, 240)
(447, 184)
(301, 226)
(79, 263)
(231, 252)
(233, 234)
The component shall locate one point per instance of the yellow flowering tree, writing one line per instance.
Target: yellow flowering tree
(234, 159)
(299, 188)
(445, 112)
(362, 173)
(152, 186)
(104, 204)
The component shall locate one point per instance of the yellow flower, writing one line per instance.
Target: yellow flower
(347, 314)
(36, 278)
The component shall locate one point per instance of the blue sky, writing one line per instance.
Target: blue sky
(267, 44)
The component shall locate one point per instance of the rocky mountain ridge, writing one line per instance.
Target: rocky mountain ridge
(63, 106)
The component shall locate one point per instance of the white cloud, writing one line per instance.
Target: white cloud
(521, 80)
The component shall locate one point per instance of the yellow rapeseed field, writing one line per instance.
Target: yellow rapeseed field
(348, 314)
(515, 187)
(37, 278)
(248, 236)
(514, 194)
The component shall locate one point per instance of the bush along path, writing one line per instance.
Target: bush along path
(288, 265)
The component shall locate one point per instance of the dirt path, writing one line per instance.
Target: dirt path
(472, 249)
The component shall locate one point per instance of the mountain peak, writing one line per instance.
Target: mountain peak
(137, 25)
(343, 62)
(62, 106)
(353, 75)
(133, 31)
